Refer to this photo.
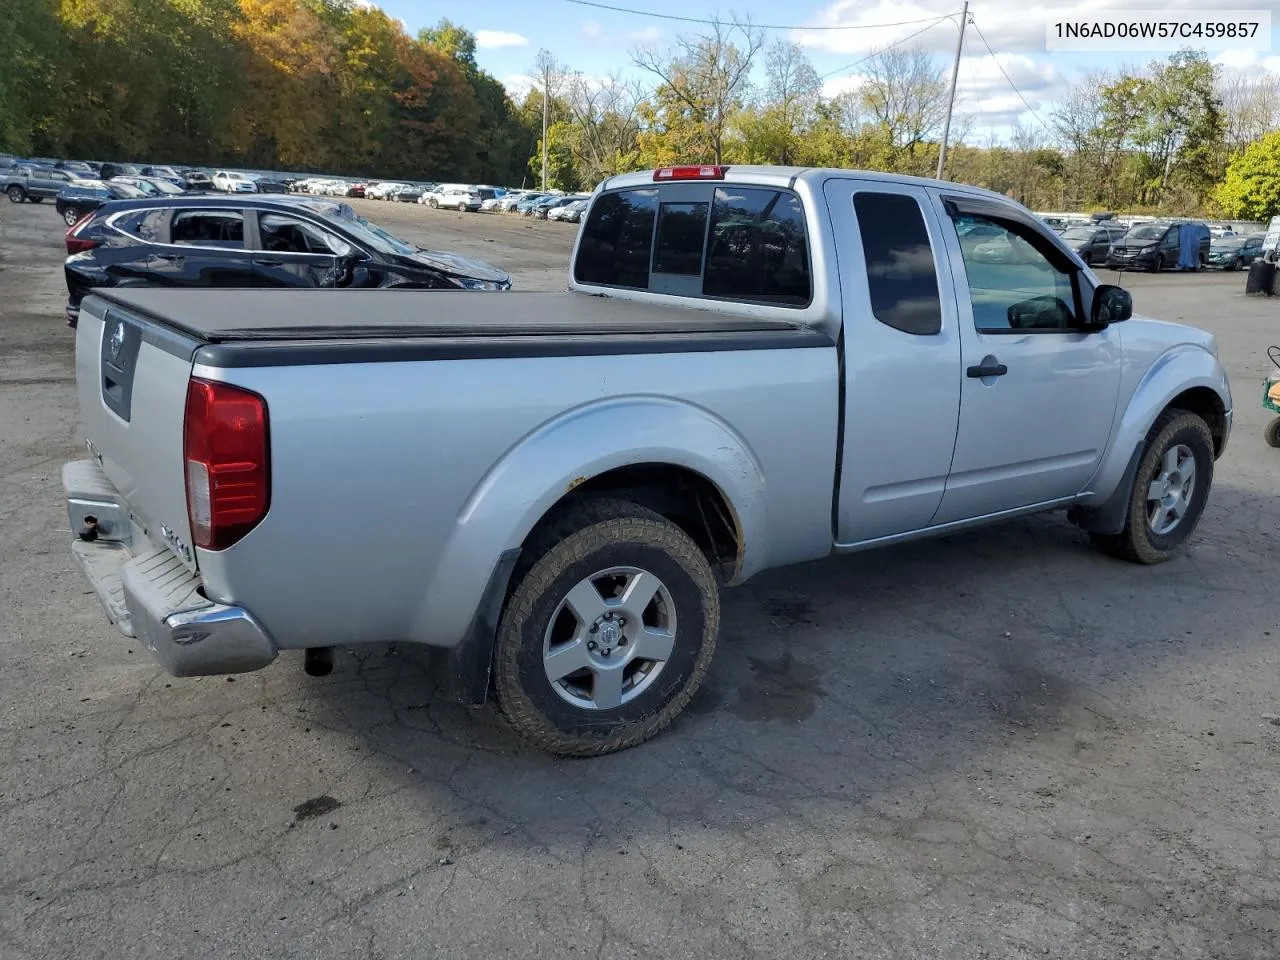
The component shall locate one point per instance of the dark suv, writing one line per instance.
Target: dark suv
(1153, 246)
(1091, 240)
(253, 241)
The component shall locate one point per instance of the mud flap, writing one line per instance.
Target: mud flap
(463, 671)
(1110, 515)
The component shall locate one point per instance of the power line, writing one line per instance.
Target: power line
(758, 26)
(897, 43)
(1012, 85)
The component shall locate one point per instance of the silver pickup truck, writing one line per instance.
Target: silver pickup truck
(753, 366)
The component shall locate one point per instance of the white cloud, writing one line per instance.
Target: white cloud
(497, 39)
(647, 35)
(592, 30)
(1247, 61)
(518, 85)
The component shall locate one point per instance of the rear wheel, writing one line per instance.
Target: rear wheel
(1169, 491)
(434, 203)
(16, 194)
(462, 207)
(608, 632)
(70, 216)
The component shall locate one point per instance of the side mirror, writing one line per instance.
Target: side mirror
(1111, 304)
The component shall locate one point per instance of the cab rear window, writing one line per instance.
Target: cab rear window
(617, 240)
(747, 244)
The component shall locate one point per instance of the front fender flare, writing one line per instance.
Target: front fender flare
(550, 461)
(1104, 505)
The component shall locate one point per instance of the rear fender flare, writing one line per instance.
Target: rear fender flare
(548, 463)
(1182, 368)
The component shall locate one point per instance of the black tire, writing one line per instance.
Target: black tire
(1271, 432)
(433, 203)
(35, 199)
(70, 215)
(1138, 542)
(588, 537)
(16, 194)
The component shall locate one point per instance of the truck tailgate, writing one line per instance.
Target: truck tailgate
(132, 377)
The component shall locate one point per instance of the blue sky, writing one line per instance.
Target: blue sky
(599, 42)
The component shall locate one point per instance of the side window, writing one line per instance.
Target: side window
(1012, 284)
(758, 251)
(290, 235)
(617, 239)
(901, 275)
(208, 228)
(682, 231)
(143, 224)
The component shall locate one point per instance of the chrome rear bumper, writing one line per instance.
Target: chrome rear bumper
(147, 591)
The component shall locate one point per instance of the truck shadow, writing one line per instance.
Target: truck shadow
(875, 681)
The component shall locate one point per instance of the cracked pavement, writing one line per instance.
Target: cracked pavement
(1000, 744)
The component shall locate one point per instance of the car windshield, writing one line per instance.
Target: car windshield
(1078, 233)
(1149, 231)
(124, 191)
(1227, 243)
(370, 234)
(164, 186)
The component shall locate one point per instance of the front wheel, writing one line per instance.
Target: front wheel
(1169, 491)
(608, 632)
(70, 215)
(16, 194)
(433, 204)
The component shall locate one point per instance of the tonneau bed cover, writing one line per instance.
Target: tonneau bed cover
(216, 316)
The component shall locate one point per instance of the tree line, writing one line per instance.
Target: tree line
(296, 85)
(332, 86)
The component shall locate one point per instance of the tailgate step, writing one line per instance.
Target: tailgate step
(102, 563)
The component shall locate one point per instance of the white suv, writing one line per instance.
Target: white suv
(228, 181)
(453, 196)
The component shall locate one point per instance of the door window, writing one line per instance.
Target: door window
(901, 275)
(1013, 285)
(143, 224)
(208, 228)
(281, 234)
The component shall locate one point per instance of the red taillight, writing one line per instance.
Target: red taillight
(76, 244)
(224, 441)
(690, 173)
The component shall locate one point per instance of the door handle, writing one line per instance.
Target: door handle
(171, 256)
(988, 368)
(270, 263)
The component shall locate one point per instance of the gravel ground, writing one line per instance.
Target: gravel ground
(999, 744)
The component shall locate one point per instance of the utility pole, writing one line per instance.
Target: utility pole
(546, 99)
(951, 101)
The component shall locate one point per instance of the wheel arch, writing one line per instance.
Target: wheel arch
(675, 457)
(1187, 377)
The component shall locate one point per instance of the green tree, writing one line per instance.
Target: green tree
(1251, 190)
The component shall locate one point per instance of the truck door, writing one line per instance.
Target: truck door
(901, 358)
(1038, 391)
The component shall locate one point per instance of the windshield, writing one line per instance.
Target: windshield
(371, 234)
(1149, 231)
(164, 186)
(1227, 243)
(123, 191)
(1078, 233)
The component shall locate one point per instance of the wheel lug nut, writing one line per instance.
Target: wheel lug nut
(605, 653)
(591, 644)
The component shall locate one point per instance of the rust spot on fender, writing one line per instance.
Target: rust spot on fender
(574, 483)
